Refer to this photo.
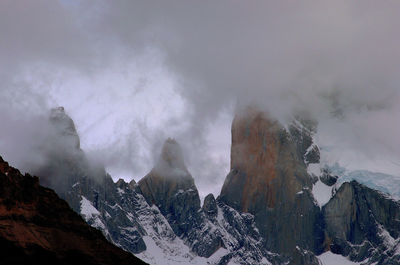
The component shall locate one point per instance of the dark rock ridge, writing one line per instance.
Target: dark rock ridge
(363, 223)
(266, 212)
(88, 189)
(37, 227)
(171, 188)
(64, 157)
(210, 206)
(327, 178)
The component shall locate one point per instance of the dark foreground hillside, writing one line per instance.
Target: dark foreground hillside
(37, 227)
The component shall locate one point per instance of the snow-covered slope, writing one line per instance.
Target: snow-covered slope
(329, 258)
(383, 182)
(240, 240)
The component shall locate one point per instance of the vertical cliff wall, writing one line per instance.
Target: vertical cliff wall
(268, 178)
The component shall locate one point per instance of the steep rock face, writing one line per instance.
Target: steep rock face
(268, 178)
(363, 224)
(37, 227)
(302, 131)
(378, 181)
(64, 158)
(327, 178)
(87, 188)
(241, 237)
(65, 127)
(171, 188)
(210, 206)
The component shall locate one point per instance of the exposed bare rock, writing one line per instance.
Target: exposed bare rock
(210, 206)
(65, 126)
(328, 178)
(84, 184)
(171, 188)
(37, 227)
(268, 178)
(363, 224)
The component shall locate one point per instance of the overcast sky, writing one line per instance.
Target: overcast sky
(132, 73)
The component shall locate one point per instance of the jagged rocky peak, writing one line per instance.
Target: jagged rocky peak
(263, 156)
(268, 179)
(170, 171)
(171, 162)
(64, 126)
(170, 187)
(64, 160)
(362, 223)
(37, 227)
(132, 184)
(302, 129)
(210, 206)
(121, 184)
(327, 177)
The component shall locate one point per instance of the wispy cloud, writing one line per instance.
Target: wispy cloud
(132, 73)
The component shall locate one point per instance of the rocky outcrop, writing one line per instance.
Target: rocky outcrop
(268, 178)
(210, 206)
(37, 227)
(363, 224)
(303, 257)
(65, 127)
(88, 189)
(64, 159)
(171, 188)
(328, 178)
(302, 130)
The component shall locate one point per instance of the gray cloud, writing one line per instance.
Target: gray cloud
(109, 64)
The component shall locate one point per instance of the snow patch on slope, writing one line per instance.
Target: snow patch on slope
(87, 209)
(91, 214)
(314, 169)
(328, 258)
(388, 240)
(157, 253)
(322, 193)
(162, 245)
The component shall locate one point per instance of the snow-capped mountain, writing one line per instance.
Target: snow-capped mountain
(277, 206)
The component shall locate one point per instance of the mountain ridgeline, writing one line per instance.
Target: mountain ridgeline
(269, 210)
(37, 227)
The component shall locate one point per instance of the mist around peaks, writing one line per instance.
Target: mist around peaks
(171, 161)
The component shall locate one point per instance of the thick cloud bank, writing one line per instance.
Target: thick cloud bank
(132, 73)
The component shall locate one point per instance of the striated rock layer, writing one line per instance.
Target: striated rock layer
(37, 227)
